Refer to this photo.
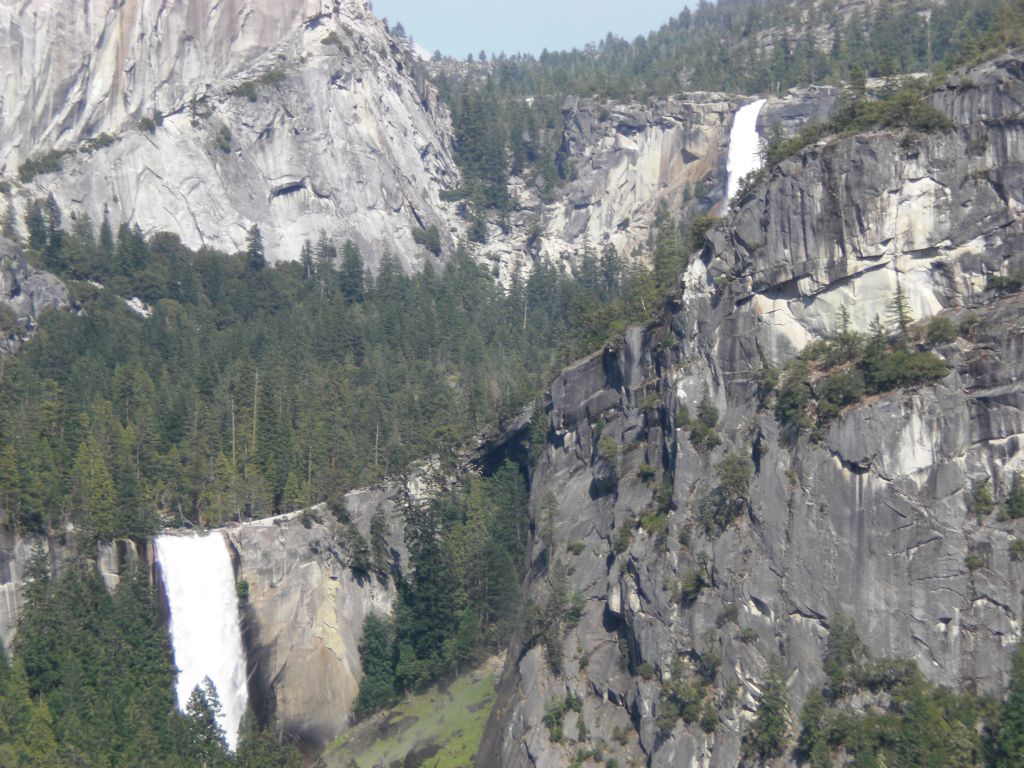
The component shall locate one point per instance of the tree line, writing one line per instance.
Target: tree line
(459, 599)
(253, 389)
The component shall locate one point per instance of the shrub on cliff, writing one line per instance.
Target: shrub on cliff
(765, 738)
(376, 650)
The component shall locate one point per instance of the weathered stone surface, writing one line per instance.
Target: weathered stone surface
(346, 137)
(341, 136)
(26, 290)
(626, 160)
(304, 618)
(15, 554)
(870, 522)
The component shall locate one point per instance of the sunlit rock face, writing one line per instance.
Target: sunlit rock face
(203, 119)
(626, 159)
(306, 117)
(27, 292)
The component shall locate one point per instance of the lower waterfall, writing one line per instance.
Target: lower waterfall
(744, 146)
(206, 631)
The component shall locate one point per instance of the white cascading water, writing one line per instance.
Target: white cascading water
(206, 631)
(744, 146)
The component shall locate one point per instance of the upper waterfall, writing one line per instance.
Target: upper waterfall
(206, 632)
(744, 146)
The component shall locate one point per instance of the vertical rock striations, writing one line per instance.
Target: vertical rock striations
(870, 520)
(202, 120)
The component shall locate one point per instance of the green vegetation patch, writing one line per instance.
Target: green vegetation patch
(250, 89)
(450, 720)
(48, 162)
(833, 373)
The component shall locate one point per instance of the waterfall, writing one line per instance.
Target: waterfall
(206, 632)
(744, 146)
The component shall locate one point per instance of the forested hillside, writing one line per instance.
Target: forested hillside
(92, 684)
(253, 389)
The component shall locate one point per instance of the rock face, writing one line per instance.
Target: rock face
(305, 610)
(306, 116)
(627, 159)
(27, 291)
(15, 555)
(301, 116)
(871, 521)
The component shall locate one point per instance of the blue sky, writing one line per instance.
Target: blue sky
(458, 27)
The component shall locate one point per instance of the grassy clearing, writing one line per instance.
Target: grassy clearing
(444, 726)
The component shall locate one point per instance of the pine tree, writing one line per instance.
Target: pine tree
(377, 654)
(843, 655)
(899, 312)
(326, 254)
(1015, 498)
(924, 737)
(765, 738)
(80, 251)
(843, 321)
(254, 249)
(207, 745)
(351, 276)
(306, 259)
(813, 744)
(294, 496)
(95, 497)
(54, 234)
(106, 238)
(131, 254)
(40, 745)
(668, 256)
(35, 223)
(430, 614)
(10, 486)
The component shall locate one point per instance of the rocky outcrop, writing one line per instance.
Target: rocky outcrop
(305, 609)
(15, 554)
(628, 159)
(26, 291)
(869, 521)
(300, 116)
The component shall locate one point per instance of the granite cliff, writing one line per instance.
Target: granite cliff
(308, 116)
(629, 158)
(203, 120)
(868, 520)
(319, 119)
